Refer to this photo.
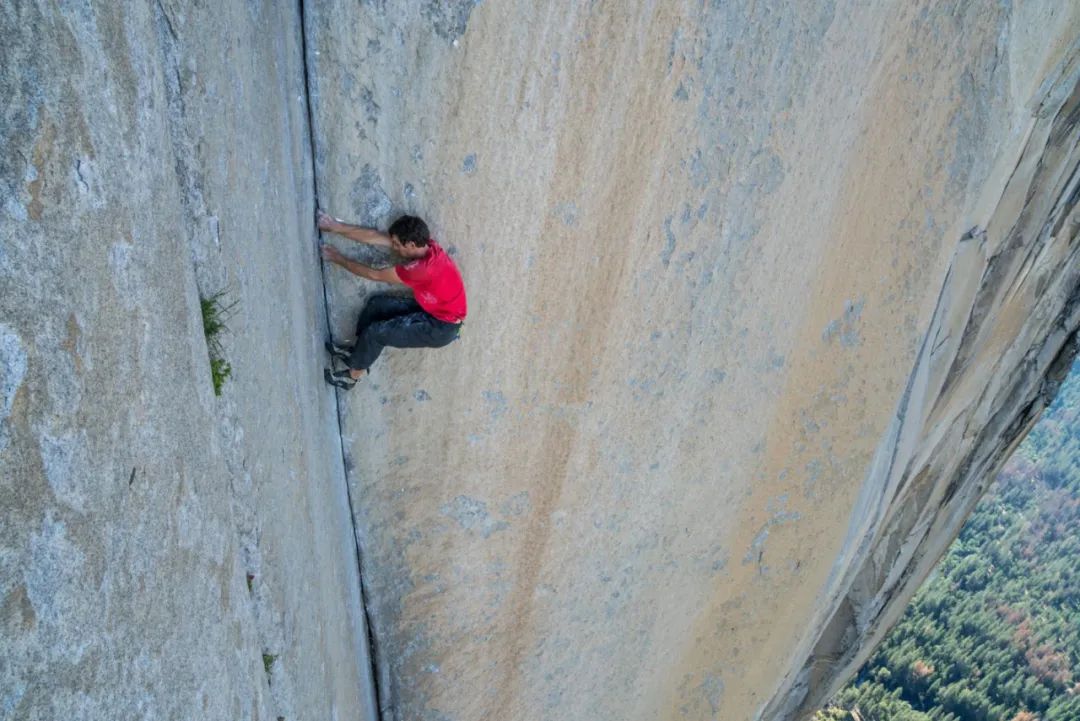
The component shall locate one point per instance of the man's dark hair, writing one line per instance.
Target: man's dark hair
(410, 229)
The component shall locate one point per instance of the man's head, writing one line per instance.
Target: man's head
(409, 236)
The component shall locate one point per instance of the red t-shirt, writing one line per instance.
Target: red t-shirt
(436, 283)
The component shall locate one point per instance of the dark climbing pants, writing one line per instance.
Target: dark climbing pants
(399, 322)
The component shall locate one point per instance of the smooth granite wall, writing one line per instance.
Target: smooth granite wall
(760, 293)
(166, 553)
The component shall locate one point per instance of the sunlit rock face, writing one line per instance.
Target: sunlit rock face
(760, 295)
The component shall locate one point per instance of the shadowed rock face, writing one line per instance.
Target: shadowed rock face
(761, 295)
(155, 540)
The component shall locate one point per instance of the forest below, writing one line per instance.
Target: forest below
(994, 633)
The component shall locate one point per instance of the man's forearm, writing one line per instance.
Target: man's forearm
(357, 268)
(362, 235)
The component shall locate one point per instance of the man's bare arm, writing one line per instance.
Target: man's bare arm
(386, 275)
(352, 232)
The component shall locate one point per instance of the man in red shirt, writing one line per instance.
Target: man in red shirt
(430, 319)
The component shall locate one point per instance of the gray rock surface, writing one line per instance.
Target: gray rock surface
(761, 293)
(157, 541)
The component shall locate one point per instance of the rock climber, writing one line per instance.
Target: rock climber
(431, 318)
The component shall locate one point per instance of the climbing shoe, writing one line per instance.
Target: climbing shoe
(339, 379)
(339, 352)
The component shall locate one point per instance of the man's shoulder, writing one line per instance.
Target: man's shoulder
(439, 255)
(417, 268)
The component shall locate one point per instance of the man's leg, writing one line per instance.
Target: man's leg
(379, 307)
(384, 306)
(415, 330)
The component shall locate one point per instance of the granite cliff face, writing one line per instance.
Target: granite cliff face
(761, 294)
(165, 553)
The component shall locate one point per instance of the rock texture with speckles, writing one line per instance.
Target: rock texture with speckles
(761, 293)
(156, 541)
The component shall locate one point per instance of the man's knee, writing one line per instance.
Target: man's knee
(377, 298)
(442, 336)
(392, 301)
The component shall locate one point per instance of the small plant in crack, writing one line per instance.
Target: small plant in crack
(215, 311)
(268, 662)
